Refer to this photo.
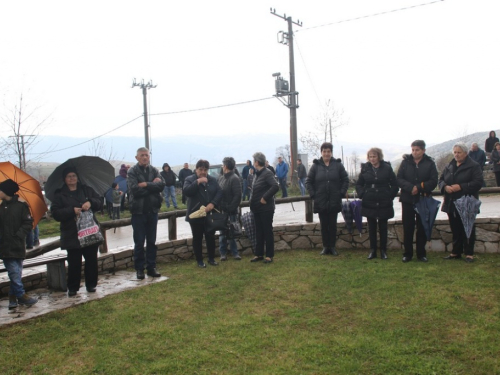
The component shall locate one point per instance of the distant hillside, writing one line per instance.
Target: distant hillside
(446, 147)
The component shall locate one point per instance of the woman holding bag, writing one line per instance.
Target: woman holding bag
(202, 190)
(69, 202)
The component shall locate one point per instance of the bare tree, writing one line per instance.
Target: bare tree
(284, 152)
(443, 160)
(354, 161)
(330, 119)
(24, 123)
(100, 148)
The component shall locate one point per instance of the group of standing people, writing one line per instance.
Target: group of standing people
(377, 186)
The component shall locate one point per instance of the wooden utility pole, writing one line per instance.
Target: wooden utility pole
(145, 87)
(293, 96)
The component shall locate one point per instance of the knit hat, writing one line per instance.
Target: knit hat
(68, 170)
(9, 187)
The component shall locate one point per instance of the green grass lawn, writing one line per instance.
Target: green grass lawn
(302, 314)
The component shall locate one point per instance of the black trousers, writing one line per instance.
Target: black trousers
(89, 253)
(264, 233)
(460, 242)
(198, 230)
(410, 218)
(328, 222)
(497, 177)
(372, 231)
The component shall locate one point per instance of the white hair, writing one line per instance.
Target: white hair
(462, 146)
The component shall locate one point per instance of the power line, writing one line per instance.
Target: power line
(214, 107)
(307, 71)
(371, 15)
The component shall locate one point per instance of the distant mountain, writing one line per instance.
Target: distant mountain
(446, 147)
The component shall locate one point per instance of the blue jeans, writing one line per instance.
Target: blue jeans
(144, 226)
(246, 193)
(223, 242)
(32, 237)
(302, 186)
(168, 192)
(282, 182)
(14, 267)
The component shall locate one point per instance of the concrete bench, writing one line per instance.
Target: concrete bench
(56, 269)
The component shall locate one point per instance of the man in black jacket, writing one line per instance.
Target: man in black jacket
(145, 185)
(183, 173)
(417, 176)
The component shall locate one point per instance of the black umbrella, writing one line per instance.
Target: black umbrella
(427, 208)
(468, 207)
(356, 211)
(347, 214)
(92, 171)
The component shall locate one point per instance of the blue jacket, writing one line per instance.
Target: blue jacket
(281, 170)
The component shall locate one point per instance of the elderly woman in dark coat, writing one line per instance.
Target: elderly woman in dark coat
(327, 183)
(202, 189)
(69, 202)
(462, 176)
(230, 184)
(262, 205)
(377, 187)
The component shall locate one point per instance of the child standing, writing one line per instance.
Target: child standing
(15, 223)
(117, 200)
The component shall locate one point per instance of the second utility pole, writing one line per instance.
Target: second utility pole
(145, 87)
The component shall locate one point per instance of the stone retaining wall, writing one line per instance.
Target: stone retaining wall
(294, 237)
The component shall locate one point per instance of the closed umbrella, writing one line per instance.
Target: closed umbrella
(29, 189)
(356, 212)
(427, 208)
(347, 214)
(468, 208)
(92, 171)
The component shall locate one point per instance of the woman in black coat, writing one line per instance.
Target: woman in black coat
(262, 206)
(69, 202)
(489, 145)
(202, 189)
(327, 183)
(377, 187)
(463, 176)
(495, 159)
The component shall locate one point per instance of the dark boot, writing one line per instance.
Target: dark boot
(12, 302)
(325, 251)
(373, 254)
(333, 251)
(27, 300)
(383, 254)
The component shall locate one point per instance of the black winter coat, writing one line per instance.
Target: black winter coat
(144, 199)
(264, 186)
(410, 174)
(15, 224)
(377, 190)
(201, 194)
(327, 185)
(469, 175)
(230, 184)
(168, 177)
(62, 210)
(490, 144)
(495, 158)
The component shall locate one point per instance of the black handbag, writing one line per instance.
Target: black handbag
(216, 221)
(235, 230)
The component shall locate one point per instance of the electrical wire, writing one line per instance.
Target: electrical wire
(307, 71)
(371, 15)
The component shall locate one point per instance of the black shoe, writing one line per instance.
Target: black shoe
(325, 251)
(423, 259)
(153, 273)
(212, 262)
(453, 257)
(91, 290)
(406, 259)
(334, 252)
(469, 260)
(71, 293)
(201, 264)
(256, 259)
(140, 274)
(383, 254)
(372, 255)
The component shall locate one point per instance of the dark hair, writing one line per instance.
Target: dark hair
(496, 144)
(326, 145)
(299, 160)
(375, 150)
(113, 185)
(202, 164)
(494, 134)
(229, 162)
(418, 143)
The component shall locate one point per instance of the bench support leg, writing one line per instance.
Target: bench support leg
(56, 276)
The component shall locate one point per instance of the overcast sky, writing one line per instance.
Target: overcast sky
(430, 72)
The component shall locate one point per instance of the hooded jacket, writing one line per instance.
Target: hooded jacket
(411, 174)
(264, 186)
(147, 199)
(490, 142)
(468, 175)
(168, 177)
(62, 209)
(201, 194)
(377, 189)
(230, 184)
(327, 185)
(15, 224)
